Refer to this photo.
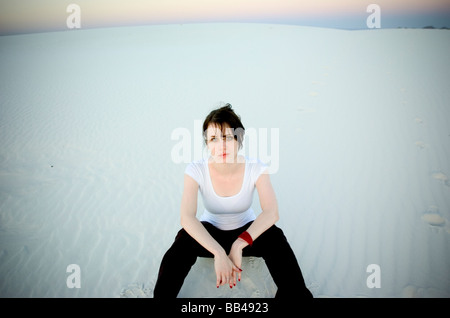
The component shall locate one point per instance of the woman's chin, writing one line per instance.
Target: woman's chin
(224, 159)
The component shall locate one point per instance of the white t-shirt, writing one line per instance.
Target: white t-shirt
(227, 213)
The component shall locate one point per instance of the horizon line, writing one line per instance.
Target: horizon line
(285, 23)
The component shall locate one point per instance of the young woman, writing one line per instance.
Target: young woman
(228, 228)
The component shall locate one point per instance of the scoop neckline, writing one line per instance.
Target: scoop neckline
(242, 185)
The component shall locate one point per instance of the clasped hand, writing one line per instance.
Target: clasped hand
(228, 267)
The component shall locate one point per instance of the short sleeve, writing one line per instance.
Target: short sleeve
(258, 168)
(195, 172)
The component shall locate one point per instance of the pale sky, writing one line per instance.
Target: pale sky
(26, 16)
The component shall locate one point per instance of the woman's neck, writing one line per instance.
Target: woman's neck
(227, 167)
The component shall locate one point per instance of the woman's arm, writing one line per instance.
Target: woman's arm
(189, 220)
(223, 265)
(268, 217)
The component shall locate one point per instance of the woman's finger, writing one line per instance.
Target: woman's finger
(231, 279)
(238, 271)
(224, 280)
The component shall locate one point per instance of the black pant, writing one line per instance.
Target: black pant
(271, 245)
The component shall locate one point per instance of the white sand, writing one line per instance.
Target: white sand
(87, 176)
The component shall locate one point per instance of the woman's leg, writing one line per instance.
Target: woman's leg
(280, 259)
(183, 253)
(176, 264)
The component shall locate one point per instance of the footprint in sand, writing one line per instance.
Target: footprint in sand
(256, 294)
(137, 290)
(441, 177)
(251, 262)
(421, 144)
(434, 218)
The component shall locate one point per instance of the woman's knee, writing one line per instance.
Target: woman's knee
(185, 244)
(273, 235)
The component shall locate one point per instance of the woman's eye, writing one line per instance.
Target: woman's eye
(230, 138)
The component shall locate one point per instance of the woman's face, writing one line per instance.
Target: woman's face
(222, 146)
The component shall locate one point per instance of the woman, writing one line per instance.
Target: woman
(228, 228)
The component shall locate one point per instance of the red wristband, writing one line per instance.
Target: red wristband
(246, 237)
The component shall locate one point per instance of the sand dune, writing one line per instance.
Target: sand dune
(87, 177)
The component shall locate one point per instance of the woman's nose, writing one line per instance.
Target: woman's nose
(222, 145)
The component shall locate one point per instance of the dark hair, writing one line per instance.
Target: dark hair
(225, 116)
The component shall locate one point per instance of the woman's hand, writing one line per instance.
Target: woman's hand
(225, 270)
(236, 257)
